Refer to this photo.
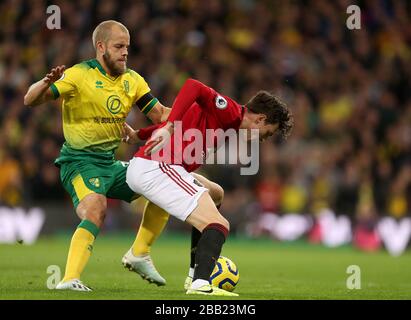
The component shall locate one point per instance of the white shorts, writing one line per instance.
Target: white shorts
(170, 187)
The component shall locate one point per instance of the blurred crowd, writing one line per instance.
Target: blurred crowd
(349, 90)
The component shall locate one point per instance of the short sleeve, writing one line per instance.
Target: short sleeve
(142, 87)
(143, 98)
(69, 83)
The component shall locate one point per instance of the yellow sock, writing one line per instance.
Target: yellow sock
(80, 250)
(154, 221)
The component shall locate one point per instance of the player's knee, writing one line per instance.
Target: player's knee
(94, 211)
(95, 216)
(224, 222)
(221, 225)
(217, 194)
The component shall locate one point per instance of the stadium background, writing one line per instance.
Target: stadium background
(349, 154)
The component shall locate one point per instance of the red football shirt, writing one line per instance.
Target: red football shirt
(197, 112)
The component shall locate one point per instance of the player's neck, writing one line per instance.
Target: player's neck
(246, 122)
(104, 66)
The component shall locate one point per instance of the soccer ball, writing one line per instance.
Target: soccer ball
(225, 274)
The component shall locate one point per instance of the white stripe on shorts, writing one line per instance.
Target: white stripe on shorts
(173, 175)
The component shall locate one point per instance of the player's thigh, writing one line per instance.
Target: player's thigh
(215, 190)
(170, 187)
(206, 213)
(119, 188)
(81, 179)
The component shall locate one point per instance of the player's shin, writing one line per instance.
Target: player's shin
(195, 237)
(80, 250)
(153, 223)
(208, 250)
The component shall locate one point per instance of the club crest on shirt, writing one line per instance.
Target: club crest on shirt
(220, 102)
(94, 182)
(126, 86)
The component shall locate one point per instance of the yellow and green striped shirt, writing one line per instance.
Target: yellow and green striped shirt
(95, 105)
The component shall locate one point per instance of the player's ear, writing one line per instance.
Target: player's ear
(100, 47)
(261, 118)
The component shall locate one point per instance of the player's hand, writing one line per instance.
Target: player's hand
(130, 135)
(159, 139)
(54, 74)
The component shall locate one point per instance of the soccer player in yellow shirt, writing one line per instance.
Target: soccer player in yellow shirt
(97, 96)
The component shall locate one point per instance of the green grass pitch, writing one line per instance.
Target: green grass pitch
(268, 270)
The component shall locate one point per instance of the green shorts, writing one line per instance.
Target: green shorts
(84, 172)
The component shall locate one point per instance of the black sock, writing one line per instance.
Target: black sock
(195, 237)
(208, 250)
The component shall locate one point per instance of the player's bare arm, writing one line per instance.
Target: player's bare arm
(40, 91)
(159, 138)
(130, 136)
(159, 113)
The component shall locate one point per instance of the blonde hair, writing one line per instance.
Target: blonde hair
(103, 31)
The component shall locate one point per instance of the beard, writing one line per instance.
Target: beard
(114, 69)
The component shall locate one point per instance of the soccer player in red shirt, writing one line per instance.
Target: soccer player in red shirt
(160, 170)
